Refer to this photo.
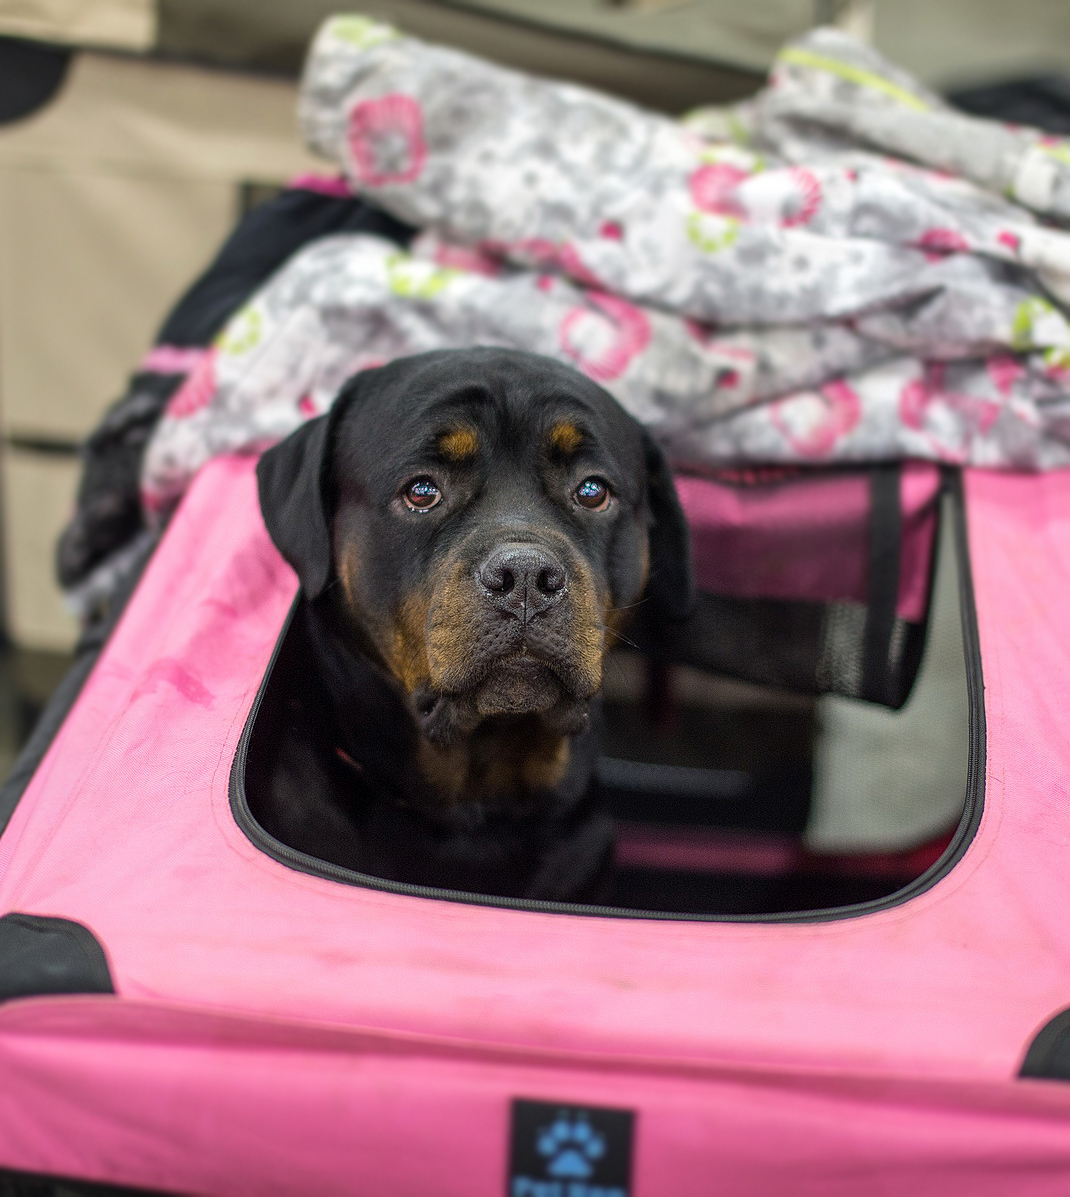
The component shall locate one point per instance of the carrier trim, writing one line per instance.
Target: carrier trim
(40, 955)
(960, 841)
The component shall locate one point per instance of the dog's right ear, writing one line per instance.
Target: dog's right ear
(672, 583)
(291, 480)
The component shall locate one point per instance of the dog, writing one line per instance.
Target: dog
(469, 529)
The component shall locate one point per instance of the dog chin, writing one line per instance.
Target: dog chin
(517, 687)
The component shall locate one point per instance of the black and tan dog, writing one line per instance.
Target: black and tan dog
(469, 527)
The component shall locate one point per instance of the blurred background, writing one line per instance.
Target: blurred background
(134, 133)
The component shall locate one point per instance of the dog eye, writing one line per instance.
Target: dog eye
(422, 495)
(593, 494)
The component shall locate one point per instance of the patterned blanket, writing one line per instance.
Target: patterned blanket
(841, 269)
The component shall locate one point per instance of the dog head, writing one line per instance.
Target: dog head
(483, 518)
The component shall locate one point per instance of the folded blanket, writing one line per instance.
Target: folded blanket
(757, 284)
(830, 92)
(636, 204)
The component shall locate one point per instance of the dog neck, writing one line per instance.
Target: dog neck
(515, 760)
(516, 767)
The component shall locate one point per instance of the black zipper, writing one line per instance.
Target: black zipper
(967, 828)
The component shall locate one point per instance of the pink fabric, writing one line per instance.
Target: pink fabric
(279, 1033)
(335, 185)
(759, 854)
(171, 359)
(695, 850)
(807, 538)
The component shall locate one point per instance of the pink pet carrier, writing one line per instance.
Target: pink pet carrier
(195, 1008)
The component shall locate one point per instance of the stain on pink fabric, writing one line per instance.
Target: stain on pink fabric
(222, 608)
(815, 422)
(604, 342)
(197, 391)
(168, 671)
(386, 139)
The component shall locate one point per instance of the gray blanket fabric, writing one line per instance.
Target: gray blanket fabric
(831, 272)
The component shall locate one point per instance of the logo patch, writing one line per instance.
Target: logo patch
(561, 1150)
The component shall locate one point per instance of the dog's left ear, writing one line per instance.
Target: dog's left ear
(671, 585)
(292, 478)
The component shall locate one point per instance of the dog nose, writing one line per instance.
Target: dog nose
(522, 579)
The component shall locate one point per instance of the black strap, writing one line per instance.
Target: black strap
(885, 543)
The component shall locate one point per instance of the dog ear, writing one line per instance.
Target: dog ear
(671, 583)
(290, 478)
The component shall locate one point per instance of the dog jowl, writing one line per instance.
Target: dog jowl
(470, 529)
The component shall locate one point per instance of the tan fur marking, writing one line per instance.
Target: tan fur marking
(448, 633)
(565, 437)
(407, 655)
(348, 568)
(445, 768)
(545, 768)
(617, 620)
(510, 763)
(459, 444)
(431, 643)
(589, 628)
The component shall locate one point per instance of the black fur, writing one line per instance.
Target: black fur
(338, 773)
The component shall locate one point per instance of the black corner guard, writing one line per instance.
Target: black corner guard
(1048, 1056)
(48, 955)
(31, 74)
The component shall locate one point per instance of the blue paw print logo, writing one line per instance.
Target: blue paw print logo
(571, 1146)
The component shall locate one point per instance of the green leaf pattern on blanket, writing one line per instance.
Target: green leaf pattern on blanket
(413, 279)
(243, 333)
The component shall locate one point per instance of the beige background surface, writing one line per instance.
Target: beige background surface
(130, 24)
(38, 491)
(117, 194)
(112, 199)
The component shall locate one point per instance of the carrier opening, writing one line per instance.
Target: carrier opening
(808, 745)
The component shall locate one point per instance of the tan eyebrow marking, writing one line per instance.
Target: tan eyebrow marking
(565, 437)
(458, 444)
(348, 566)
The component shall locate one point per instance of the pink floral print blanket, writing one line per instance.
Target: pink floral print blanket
(841, 269)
